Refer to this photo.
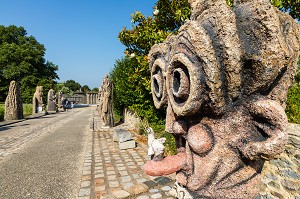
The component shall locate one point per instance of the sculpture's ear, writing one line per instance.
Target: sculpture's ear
(270, 121)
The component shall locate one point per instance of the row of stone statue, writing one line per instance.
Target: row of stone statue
(14, 107)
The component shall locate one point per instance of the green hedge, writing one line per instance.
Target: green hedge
(131, 80)
(293, 104)
(27, 110)
(1, 111)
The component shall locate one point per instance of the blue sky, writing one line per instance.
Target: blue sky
(80, 36)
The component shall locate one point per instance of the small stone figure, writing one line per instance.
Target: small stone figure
(105, 108)
(156, 148)
(51, 100)
(224, 80)
(13, 103)
(59, 101)
(37, 100)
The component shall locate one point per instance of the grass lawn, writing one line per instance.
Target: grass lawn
(27, 110)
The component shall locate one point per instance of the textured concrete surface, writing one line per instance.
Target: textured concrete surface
(42, 157)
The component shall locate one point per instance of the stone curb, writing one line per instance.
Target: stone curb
(29, 117)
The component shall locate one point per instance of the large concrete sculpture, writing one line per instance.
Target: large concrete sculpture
(105, 102)
(13, 103)
(37, 100)
(51, 101)
(224, 80)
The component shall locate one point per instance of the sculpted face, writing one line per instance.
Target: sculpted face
(224, 79)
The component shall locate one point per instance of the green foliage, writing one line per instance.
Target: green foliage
(72, 85)
(95, 89)
(1, 111)
(293, 104)
(131, 75)
(85, 88)
(169, 15)
(131, 80)
(293, 101)
(22, 59)
(60, 87)
(27, 109)
(290, 6)
(170, 144)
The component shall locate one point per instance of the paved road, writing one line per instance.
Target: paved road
(43, 157)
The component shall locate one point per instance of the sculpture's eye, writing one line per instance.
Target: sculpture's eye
(157, 80)
(184, 84)
(158, 87)
(180, 83)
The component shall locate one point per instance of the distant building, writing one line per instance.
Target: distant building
(78, 97)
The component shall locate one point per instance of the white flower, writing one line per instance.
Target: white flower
(155, 12)
(132, 55)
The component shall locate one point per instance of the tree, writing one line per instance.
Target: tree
(72, 85)
(22, 59)
(131, 75)
(132, 88)
(85, 88)
(290, 6)
(169, 15)
(95, 89)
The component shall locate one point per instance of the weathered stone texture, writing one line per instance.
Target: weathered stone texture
(13, 103)
(51, 100)
(59, 100)
(37, 100)
(281, 176)
(105, 102)
(121, 135)
(224, 79)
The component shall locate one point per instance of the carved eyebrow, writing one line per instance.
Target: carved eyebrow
(184, 38)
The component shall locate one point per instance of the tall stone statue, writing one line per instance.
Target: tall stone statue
(13, 103)
(105, 102)
(224, 79)
(51, 100)
(37, 100)
(59, 100)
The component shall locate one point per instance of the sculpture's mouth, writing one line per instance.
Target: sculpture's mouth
(197, 138)
(166, 166)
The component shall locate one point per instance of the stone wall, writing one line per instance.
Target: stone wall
(281, 176)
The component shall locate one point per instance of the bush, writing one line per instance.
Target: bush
(1, 111)
(131, 81)
(293, 99)
(27, 109)
(293, 104)
(170, 144)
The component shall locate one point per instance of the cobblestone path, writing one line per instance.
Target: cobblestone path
(110, 173)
